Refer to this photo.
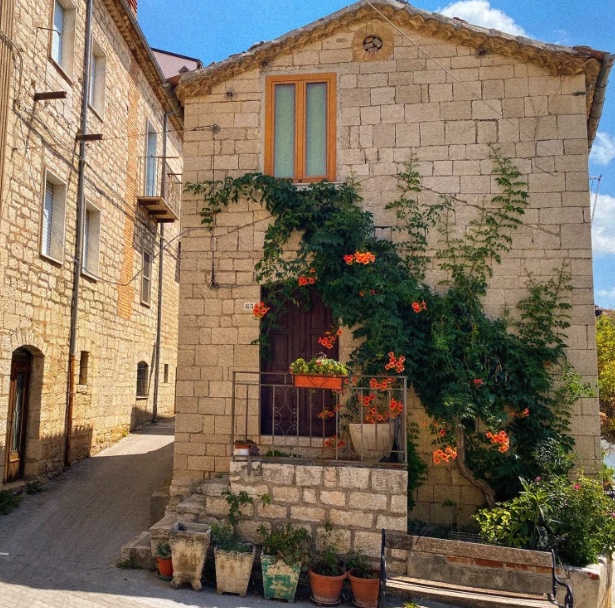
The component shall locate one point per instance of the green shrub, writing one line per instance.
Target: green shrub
(575, 518)
(285, 543)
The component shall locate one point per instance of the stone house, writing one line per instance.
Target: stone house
(387, 81)
(72, 383)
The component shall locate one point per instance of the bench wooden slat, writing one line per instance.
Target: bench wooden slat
(467, 596)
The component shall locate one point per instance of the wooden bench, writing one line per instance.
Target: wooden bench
(469, 556)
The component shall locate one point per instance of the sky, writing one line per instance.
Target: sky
(214, 29)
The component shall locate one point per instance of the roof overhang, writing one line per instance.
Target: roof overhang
(558, 60)
(126, 21)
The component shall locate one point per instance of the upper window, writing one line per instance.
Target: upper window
(98, 70)
(63, 35)
(301, 127)
(91, 240)
(146, 278)
(52, 222)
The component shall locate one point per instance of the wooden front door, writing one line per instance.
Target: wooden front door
(286, 410)
(21, 366)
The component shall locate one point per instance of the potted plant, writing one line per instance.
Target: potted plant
(364, 580)
(234, 557)
(164, 562)
(318, 372)
(284, 549)
(327, 574)
(244, 447)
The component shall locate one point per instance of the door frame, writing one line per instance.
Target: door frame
(21, 361)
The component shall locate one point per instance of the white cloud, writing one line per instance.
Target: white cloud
(603, 228)
(603, 150)
(480, 12)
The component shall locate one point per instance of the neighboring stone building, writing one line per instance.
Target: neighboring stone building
(395, 81)
(115, 331)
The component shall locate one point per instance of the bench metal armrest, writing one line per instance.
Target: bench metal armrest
(569, 597)
(383, 571)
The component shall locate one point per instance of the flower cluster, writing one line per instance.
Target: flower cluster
(259, 310)
(308, 280)
(372, 292)
(360, 258)
(478, 382)
(395, 363)
(376, 413)
(524, 414)
(328, 340)
(334, 441)
(319, 365)
(419, 306)
(500, 439)
(444, 455)
(380, 386)
(326, 413)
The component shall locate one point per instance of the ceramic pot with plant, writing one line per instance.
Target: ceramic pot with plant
(284, 549)
(164, 561)
(244, 447)
(318, 372)
(327, 573)
(364, 580)
(234, 557)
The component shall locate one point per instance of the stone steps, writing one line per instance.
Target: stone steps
(139, 551)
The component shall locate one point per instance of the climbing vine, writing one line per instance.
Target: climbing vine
(498, 390)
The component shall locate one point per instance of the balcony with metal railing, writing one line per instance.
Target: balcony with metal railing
(160, 189)
(362, 423)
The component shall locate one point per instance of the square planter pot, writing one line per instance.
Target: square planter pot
(279, 579)
(233, 570)
(189, 544)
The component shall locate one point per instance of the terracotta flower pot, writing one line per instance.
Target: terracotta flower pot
(165, 566)
(365, 591)
(326, 590)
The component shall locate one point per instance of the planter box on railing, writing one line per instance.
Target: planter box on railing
(334, 383)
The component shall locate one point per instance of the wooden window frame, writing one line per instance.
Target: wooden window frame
(146, 277)
(300, 81)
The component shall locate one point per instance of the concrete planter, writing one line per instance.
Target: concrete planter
(372, 441)
(189, 544)
(279, 579)
(233, 570)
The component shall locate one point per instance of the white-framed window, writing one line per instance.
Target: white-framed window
(91, 240)
(98, 72)
(146, 278)
(62, 49)
(151, 161)
(52, 220)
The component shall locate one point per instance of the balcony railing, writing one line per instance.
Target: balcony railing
(364, 422)
(161, 199)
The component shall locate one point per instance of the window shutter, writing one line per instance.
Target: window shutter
(93, 76)
(47, 219)
(57, 35)
(86, 240)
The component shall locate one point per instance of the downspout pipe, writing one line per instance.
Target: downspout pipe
(163, 193)
(78, 257)
(599, 96)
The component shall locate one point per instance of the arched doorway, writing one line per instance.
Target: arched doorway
(21, 369)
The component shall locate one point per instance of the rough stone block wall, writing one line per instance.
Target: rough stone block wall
(35, 293)
(357, 501)
(444, 114)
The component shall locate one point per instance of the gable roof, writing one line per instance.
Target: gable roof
(125, 20)
(559, 60)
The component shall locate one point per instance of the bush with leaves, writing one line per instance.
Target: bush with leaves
(285, 543)
(225, 534)
(575, 518)
(605, 341)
